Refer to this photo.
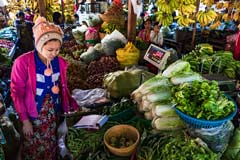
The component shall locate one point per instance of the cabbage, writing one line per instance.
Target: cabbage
(152, 83)
(176, 68)
(164, 110)
(186, 77)
(167, 123)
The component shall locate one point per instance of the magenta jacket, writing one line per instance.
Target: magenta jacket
(23, 87)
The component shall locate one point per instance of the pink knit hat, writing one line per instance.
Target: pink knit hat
(44, 31)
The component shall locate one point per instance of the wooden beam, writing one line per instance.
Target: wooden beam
(195, 24)
(132, 21)
(42, 8)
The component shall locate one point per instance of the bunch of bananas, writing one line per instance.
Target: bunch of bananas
(164, 7)
(187, 2)
(206, 17)
(164, 18)
(236, 15)
(219, 5)
(215, 25)
(226, 17)
(187, 9)
(208, 3)
(184, 20)
(167, 6)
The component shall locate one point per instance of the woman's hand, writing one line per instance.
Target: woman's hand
(27, 128)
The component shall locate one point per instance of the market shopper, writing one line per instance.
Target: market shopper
(24, 35)
(39, 92)
(144, 34)
(58, 19)
(156, 36)
(29, 16)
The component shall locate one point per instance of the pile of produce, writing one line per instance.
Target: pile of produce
(129, 55)
(115, 82)
(233, 149)
(72, 50)
(89, 145)
(180, 86)
(9, 33)
(108, 28)
(154, 96)
(5, 45)
(97, 69)
(206, 61)
(202, 100)
(173, 146)
(5, 70)
(5, 59)
(123, 105)
(77, 74)
(114, 15)
(91, 54)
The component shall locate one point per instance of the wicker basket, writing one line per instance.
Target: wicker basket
(119, 130)
(115, 19)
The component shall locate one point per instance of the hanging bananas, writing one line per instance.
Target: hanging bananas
(236, 16)
(206, 17)
(208, 3)
(226, 17)
(187, 9)
(219, 5)
(164, 18)
(187, 2)
(184, 20)
(215, 25)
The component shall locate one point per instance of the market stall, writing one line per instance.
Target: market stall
(188, 110)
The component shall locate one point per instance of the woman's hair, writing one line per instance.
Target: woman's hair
(156, 24)
(51, 41)
(147, 19)
(20, 14)
(56, 16)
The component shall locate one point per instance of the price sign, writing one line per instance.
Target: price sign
(157, 56)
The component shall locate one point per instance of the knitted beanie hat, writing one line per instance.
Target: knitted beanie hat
(44, 31)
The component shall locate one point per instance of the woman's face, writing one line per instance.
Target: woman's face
(147, 25)
(51, 49)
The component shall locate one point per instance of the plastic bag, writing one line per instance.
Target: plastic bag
(91, 36)
(115, 35)
(129, 55)
(88, 98)
(62, 132)
(217, 138)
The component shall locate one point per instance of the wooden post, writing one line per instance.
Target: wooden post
(132, 21)
(42, 8)
(62, 8)
(195, 24)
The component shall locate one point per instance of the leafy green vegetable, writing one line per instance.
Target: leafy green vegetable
(176, 68)
(233, 148)
(202, 100)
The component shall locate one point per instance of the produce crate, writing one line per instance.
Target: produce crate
(182, 35)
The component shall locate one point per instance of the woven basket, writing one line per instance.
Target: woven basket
(119, 130)
(115, 19)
